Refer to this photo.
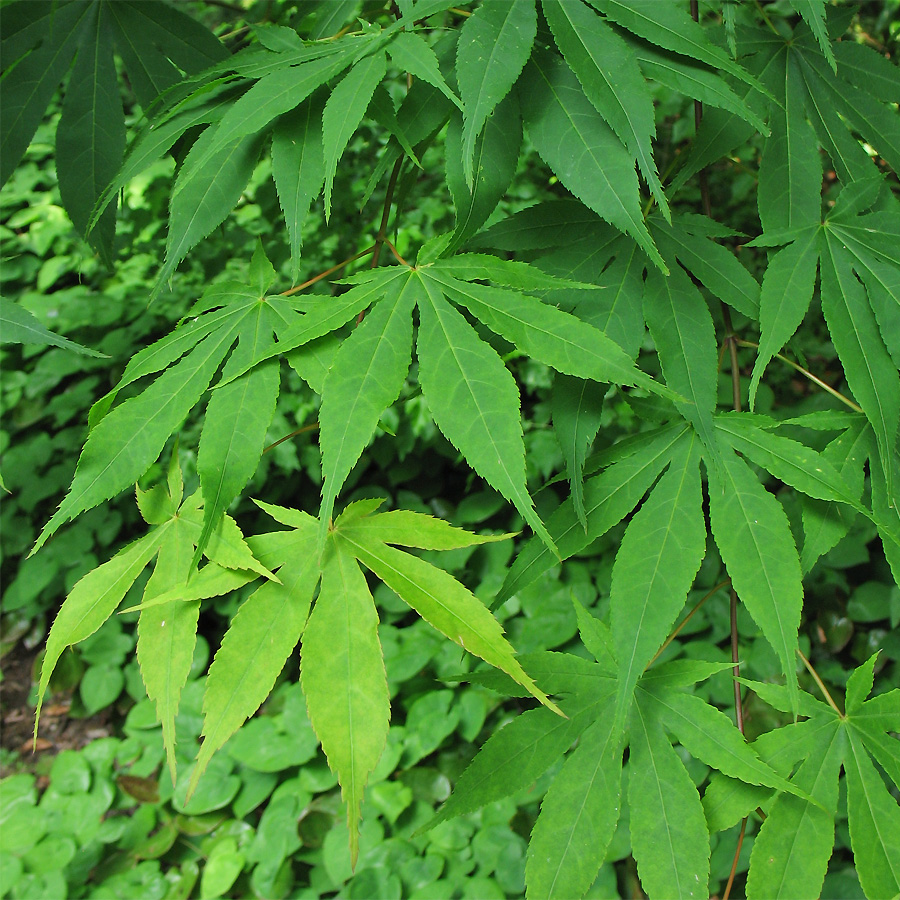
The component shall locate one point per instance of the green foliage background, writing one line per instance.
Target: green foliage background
(499, 146)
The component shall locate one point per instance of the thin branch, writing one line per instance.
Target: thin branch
(287, 437)
(734, 862)
(327, 272)
(688, 618)
(819, 683)
(825, 387)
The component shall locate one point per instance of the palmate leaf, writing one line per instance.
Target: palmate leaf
(473, 398)
(576, 408)
(682, 328)
(658, 558)
(298, 168)
(495, 155)
(608, 498)
(344, 679)
(868, 367)
(578, 815)
(752, 533)
(494, 45)
(365, 378)
(603, 63)
(584, 153)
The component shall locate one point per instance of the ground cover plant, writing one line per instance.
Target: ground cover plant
(661, 333)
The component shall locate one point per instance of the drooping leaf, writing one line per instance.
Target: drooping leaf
(344, 111)
(578, 815)
(365, 378)
(668, 829)
(298, 168)
(658, 558)
(410, 53)
(612, 81)
(494, 45)
(583, 151)
(344, 680)
(260, 638)
(682, 328)
(19, 326)
(787, 289)
(473, 398)
(576, 410)
(754, 538)
(813, 12)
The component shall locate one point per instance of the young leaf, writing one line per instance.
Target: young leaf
(411, 529)
(576, 409)
(344, 680)
(167, 634)
(605, 65)
(578, 815)
(442, 602)
(494, 45)
(754, 538)
(787, 288)
(655, 567)
(365, 378)
(668, 829)
(473, 398)
(92, 601)
(582, 150)
(260, 638)
(298, 168)
(344, 111)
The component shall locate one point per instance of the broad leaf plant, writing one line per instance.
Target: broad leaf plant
(615, 284)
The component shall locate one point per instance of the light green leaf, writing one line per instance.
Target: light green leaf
(237, 419)
(577, 406)
(411, 529)
(605, 65)
(682, 329)
(874, 817)
(444, 603)
(496, 154)
(128, 441)
(582, 150)
(19, 326)
(202, 199)
(365, 378)
(344, 111)
(658, 558)
(578, 815)
(410, 53)
(494, 45)
(473, 398)
(668, 829)
(508, 272)
(790, 173)
(546, 333)
(787, 289)
(754, 538)
(93, 600)
(868, 367)
(167, 634)
(298, 168)
(260, 638)
(795, 842)
(90, 138)
(344, 680)
(608, 498)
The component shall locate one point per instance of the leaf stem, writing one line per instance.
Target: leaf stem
(687, 618)
(327, 272)
(819, 683)
(287, 437)
(825, 387)
(734, 862)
